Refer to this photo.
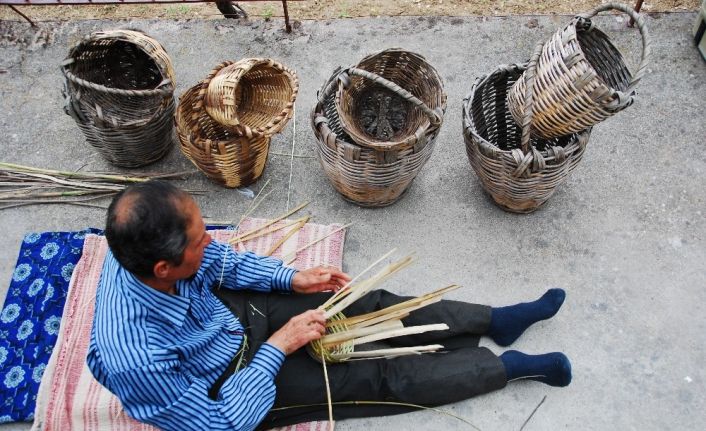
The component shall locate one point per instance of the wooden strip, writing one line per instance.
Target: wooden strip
(350, 334)
(289, 261)
(383, 353)
(270, 223)
(288, 235)
(399, 333)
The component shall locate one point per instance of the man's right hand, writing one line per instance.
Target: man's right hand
(299, 331)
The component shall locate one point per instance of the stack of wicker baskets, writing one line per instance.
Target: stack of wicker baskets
(225, 122)
(119, 88)
(526, 126)
(376, 125)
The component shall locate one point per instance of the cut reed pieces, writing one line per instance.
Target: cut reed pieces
(119, 88)
(520, 173)
(374, 136)
(344, 333)
(582, 78)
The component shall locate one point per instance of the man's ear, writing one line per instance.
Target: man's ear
(161, 269)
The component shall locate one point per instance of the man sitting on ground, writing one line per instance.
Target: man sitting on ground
(191, 335)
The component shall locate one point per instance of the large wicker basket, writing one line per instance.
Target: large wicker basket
(520, 173)
(369, 177)
(119, 88)
(581, 79)
(254, 96)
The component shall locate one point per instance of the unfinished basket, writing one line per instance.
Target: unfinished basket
(390, 100)
(226, 157)
(369, 177)
(581, 79)
(119, 88)
(519, 172)
(254, 96)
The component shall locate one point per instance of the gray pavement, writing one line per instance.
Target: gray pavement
(624, 236)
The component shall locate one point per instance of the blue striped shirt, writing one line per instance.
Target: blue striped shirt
(161, 353)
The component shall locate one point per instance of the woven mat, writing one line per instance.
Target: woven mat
(30, 318)
(70, 398)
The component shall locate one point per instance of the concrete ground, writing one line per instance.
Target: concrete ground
(624, 235)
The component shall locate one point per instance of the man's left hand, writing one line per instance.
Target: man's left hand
(319, 279)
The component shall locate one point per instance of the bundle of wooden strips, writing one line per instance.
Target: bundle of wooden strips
(119, 88)
(345, 333)
(581, 79)
(25, 185)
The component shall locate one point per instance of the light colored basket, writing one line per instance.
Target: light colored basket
(226, 157)
(119, 88)
(581, 78)
(519, 172)
(254, 96)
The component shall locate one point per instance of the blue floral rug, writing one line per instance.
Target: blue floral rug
(30, 318)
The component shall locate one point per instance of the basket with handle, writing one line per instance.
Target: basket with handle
(520, 172)
(253, 96)
(226, 157)
(119, 88)
(581, 77)
(369, 177)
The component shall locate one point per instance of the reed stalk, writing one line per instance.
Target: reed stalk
(288, 235)
(270, 223)
(304, 247)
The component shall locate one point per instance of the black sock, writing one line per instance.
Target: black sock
(508, 323)
(553, 369)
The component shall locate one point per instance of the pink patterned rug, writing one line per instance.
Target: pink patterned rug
(71, 399)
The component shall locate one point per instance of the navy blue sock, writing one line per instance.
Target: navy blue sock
(508, 323)
(553, 369)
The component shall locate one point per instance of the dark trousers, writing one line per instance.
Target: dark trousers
(461, 371)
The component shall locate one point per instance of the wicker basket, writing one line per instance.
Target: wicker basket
(365, 176)
(226, 157)
(581, 79)
(254, 96)
(375, 107)
(520, 173)
(119, 88)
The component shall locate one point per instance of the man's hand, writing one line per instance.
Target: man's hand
(319, 279)
(299, 331)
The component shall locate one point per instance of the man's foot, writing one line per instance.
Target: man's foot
(553, 369)
(508, 323)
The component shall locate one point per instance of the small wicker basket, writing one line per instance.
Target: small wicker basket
(254, 96)
(520, 173)
(119, 88)
(226, 157)
(581, 78)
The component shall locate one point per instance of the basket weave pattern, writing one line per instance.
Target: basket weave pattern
(581, 79)
(372, 172)
(119, 88)
(517, 181)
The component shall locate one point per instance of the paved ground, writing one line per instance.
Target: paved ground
(624, 236)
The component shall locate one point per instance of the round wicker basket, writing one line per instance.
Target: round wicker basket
(254, 96)
(520, 173)
(581, 78)
(390, 99)
(369, 177)
(119, 88)
(226, 157)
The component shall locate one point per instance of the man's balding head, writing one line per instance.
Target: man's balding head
(147, 223)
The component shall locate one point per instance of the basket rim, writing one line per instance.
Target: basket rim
(136, 37)
(425, 126)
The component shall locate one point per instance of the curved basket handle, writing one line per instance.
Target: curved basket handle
(646, 41)
(434, 117)
(529, 76)
(164, 92)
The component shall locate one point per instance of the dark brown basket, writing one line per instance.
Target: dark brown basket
(520, 173)
(370, 177)
(581, 78)
(390, 99)
(225, 156)
(119, 88)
